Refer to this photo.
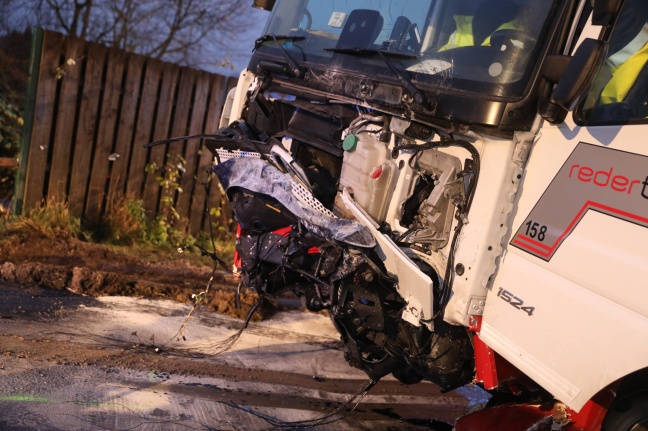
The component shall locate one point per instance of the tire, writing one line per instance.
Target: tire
(407, 376)
(628, 413)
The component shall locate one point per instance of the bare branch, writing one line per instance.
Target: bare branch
(189, 32)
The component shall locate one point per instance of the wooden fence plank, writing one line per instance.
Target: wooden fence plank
(67, 112)
(183, 103)
(43, 118)
(216, 90)
(136, 102)
(160, 131)
(126, 126)
(175, 150)
(191, 178)
(216, 197)
(105, 136)
(87, 125)
(8, 162)
(146, 111)
(198, 203)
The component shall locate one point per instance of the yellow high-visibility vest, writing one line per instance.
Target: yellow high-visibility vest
(511, 25)
(626, 65)
(463, 35)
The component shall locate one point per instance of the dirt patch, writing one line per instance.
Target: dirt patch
(141, 357)
(97, 270)
(175, 376)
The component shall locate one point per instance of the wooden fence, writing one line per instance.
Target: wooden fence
(92, 110)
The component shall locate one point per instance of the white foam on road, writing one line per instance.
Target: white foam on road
(303, 344)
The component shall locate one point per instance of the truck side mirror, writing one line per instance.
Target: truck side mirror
(604, 11)
(554, 67)
(579, 73)
(573, 76)
(264, 4)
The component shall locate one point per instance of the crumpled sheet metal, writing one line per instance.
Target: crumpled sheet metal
(259, 176)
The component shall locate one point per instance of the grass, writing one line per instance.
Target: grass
(124, 223)
(124, 228)
(51, 220)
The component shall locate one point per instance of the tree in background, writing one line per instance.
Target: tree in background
(14, 58)
(206, 34)
(197, 33)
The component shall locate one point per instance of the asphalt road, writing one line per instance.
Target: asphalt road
(69, 362)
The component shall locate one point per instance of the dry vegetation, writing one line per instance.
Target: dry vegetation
(126, 255)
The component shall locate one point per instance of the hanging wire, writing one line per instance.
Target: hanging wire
(325, 419)
(226, 344)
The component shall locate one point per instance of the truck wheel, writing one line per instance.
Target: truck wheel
(628, 413)
(407, 376)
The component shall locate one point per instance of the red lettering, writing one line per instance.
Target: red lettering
(606, 175)
(619, 183)
(604, 178)
(632, 184)
(572, 170)
(585, 174)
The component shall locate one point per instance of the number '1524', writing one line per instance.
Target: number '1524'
(514, 301)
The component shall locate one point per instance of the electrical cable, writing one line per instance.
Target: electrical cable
(254, 144)
(325, 419)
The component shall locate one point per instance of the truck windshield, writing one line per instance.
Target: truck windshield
(487, 47)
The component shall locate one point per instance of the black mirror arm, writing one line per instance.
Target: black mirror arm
(579, 72)
(554, 67)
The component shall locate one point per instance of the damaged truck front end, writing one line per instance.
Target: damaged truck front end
(371, 155)
(290, 242)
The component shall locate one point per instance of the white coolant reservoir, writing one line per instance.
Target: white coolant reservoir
(367, 171)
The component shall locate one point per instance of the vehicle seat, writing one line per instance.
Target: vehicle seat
(361, 29)
(490, 16)
(473, 27)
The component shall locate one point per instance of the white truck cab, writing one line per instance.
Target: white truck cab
(464, 186)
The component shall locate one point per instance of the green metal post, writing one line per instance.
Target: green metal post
(28, 116)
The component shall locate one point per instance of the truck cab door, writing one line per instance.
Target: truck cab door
(567, 306)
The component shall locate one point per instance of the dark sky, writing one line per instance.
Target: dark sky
(241, 52)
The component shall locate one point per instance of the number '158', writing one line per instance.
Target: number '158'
(536, 230)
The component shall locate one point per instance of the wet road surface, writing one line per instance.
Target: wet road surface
(69, 362)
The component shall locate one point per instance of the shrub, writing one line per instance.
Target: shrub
(52, 219)
(124, 222)
(10, 128)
